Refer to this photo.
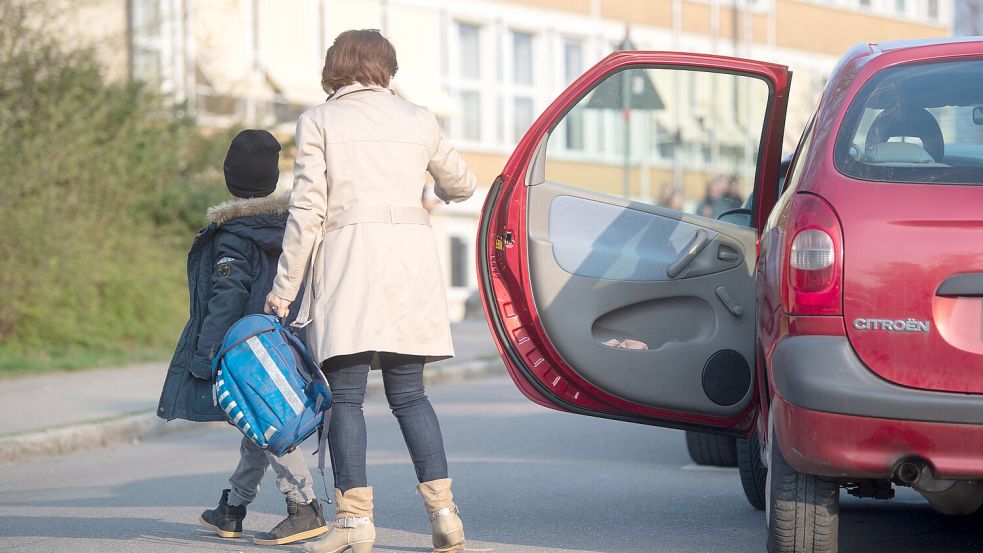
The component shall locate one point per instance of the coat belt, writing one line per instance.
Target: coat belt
(393, 215)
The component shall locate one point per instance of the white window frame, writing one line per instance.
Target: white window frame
(513, 90)
(457, 83)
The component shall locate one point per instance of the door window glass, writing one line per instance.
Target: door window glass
(572, 126)
(686, 140)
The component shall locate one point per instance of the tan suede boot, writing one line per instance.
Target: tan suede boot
(448, 530)
(353, 528)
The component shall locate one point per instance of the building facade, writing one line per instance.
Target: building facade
(487, 68)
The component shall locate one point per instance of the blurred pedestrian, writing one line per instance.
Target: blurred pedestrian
(376, 293)
(718, 198)
(671, 198)
(230, 271)
(733, 198)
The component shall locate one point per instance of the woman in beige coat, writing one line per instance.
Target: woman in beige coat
(360, 242)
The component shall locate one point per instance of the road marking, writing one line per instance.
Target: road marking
(704, 468)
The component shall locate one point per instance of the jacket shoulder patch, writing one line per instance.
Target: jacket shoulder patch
(224, 267)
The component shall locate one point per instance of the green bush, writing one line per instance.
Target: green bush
(104, 187)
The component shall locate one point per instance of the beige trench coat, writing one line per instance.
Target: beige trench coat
(357, 236)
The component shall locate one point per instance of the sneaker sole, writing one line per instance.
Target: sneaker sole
(221, 533)
(292, 538)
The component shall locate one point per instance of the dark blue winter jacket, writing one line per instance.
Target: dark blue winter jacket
(231, 267)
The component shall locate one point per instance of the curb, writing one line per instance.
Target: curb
(130, 428)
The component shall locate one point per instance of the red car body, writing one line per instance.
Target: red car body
(901, 241)
(873, 375)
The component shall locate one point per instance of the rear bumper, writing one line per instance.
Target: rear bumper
(844, 446)
(834, 417)
(822, 373)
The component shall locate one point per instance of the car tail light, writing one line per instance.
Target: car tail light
(814, 258)
(811, 260)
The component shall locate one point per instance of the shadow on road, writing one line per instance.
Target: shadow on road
(906, 527)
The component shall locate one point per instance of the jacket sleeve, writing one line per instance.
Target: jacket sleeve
(232, 277)
(308, 205)
(453, 181)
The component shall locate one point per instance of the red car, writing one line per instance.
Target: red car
(834, 322)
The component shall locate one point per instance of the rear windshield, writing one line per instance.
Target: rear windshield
(916, 123)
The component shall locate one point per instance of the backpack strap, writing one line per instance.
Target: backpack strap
(218, 357)
(322, 446)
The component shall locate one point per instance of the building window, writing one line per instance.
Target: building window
(933, 8)
(573, 60)
(901, 6)
(459, 262)
(864, 3)
(469, 51)
(145, 24)
(522, 116)
(470, 101)
(523, 78)
(466, 80)
(522, 58)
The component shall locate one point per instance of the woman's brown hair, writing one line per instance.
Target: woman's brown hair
(363, 56)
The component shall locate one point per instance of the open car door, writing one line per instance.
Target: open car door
(617, 250)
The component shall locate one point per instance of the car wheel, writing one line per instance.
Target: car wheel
(803, 510)
(754, 473)
(711, 449)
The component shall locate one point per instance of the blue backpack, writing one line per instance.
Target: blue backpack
(268, 384)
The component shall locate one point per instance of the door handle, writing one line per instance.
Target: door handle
(962, 286)
(695, 246)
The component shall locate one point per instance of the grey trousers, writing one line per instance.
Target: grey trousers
(293, 478)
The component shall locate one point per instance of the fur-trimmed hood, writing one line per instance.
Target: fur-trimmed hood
(276, 204)
(259, 220)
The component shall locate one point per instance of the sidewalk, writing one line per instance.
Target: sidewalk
(56, 413)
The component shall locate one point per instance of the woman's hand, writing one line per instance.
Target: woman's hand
(275, 305)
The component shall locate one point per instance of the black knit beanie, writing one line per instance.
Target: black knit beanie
(252, 164)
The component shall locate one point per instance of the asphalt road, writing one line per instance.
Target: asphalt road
(527, 479)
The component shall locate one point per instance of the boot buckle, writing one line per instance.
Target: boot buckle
(351, 522)
(446, 511)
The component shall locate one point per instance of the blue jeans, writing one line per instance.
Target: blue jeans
(402, 376)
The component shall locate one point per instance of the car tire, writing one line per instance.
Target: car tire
(803, 513)
(711, 449)
(754, 473)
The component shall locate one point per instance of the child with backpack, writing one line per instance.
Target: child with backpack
(231, 267)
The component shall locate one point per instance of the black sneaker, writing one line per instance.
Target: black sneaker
(225, 520)
(302, 522)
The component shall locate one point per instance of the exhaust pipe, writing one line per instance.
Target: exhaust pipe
(909, 473)
(950, 497)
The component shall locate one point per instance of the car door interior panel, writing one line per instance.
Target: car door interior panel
(675, 286)
(603, 241)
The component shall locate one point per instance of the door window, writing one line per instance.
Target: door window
(685, 140)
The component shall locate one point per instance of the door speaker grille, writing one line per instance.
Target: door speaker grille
(726, 377)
